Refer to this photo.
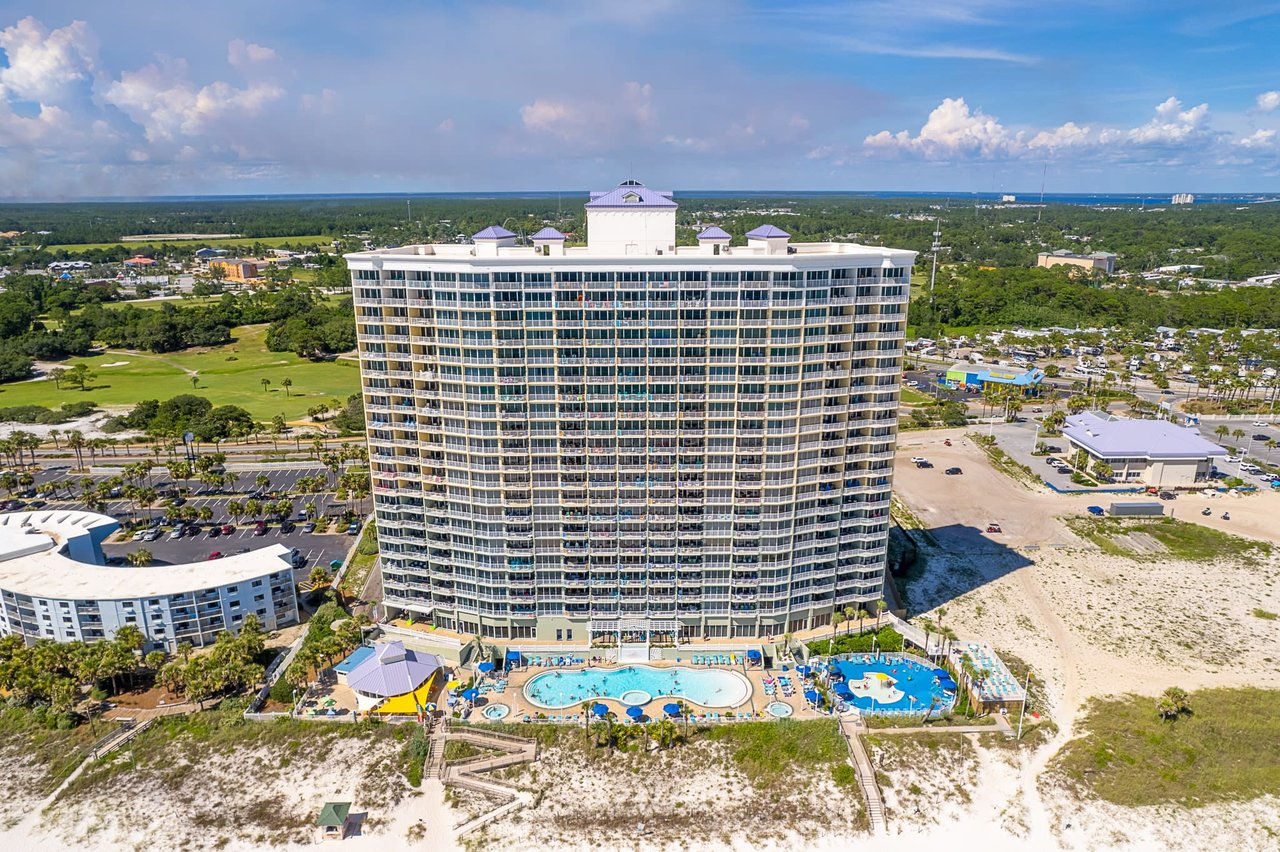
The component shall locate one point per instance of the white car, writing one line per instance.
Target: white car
(912, 383)
(175, 535)
(1233, 459)
(1258, 424)
(138, 535)
(918, 460)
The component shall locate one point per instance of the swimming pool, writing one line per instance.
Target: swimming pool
(707, 687)
(893, 684)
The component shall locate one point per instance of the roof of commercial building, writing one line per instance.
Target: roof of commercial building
(629, 194)
(999, 375)
(1113, 437)
(767, 232)
(392, 669)
(34, 562)
(715, 232)
(548, 233)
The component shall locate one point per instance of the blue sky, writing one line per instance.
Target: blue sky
(137, 98)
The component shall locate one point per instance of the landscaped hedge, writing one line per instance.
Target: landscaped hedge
(886, 639)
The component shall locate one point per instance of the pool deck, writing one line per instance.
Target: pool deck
(753, 708)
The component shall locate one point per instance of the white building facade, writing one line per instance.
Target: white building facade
(54, 586)
(631, 437)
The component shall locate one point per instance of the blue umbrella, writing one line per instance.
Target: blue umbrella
(671, 709)
(842, 689)
(947, 683)
(470, 694)
(811, 695)
(635, 712)
(485, 667)
(803, 670)
(599, 709)
(941, 673)
(753, 655)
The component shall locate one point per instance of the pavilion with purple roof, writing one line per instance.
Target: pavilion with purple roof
(392, 675)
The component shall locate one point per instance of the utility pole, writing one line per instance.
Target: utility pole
(937, 247)
(1025, 696)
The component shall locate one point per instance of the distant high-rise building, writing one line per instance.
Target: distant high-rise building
(631, 437)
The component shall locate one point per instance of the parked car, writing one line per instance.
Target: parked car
(37, 504)
(953, 471)
(918, 459)
(296, 559)
(179, 501)
(175, 535)
(1233, 459)
(1167, 495)
(924, 465)
(153, 535)
(138, 536)
(309, 527)
(287, 527)
(1095, 510)
(215, 531)
(353, 528)
(1261, 436)
(1066, 469)
(1052, 462)
(1258, 424)
(228, 529)
(217, 554)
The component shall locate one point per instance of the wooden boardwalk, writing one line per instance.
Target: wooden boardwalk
(468, 773)
(851, 731)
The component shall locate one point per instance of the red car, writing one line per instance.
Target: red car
(217, 554)
(228, 529)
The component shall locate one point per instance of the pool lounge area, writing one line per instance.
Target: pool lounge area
(891, 684)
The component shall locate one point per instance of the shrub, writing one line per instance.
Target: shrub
(886, 639)
(282, 692)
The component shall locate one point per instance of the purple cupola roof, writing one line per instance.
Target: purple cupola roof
(631, 193)
(391, 670)
(493, 232)
(767, 232)
(547, 234)
(714, 233)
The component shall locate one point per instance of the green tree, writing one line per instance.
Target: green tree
(286, 383)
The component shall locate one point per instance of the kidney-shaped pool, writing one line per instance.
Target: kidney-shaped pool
(706, 687)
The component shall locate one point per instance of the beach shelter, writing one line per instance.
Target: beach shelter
(485, 667)
(600, 710)
(635, 713)
(334, 820)
(470, 694)
(671, 709)
(811, 695)
(514, 660)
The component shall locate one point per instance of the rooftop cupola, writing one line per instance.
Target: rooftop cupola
(549, 241)
(631, 219)
(770, 238)
(714, 240)
(491, 239)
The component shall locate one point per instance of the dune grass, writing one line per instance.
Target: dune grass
(1181, 539)
(226, 375)
(27, 742)
(1226, 749)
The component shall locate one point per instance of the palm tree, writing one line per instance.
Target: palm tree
(1173, 703)
(286, 383)
(195, 381)
(54, 434)
(139, 557)
(75, 440)
(265, 382)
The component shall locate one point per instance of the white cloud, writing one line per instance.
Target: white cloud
(593, 119)
(43, 63)
(1268, 101)
(952, 129)
(1263, 138)
(241, 52)
(161, 99)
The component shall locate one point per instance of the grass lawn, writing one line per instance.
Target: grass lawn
(911, 396)
(1183, 540)
(1226, 749)
(273, 242)
(224, 382)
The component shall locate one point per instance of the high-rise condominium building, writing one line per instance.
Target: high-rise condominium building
(633, 437)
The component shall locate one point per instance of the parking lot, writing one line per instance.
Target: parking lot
(315, 548)
(278, 479)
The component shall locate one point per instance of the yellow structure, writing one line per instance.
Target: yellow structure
(235, 269)
(408, 704)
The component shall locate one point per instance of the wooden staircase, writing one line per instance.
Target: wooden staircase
(851, 731)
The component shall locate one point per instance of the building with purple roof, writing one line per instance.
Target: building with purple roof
(389, 670)
(1153, 452)
(631, 438)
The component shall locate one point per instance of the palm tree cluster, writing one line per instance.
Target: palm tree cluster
(228, 666)
(15, 447)
(323, 645)
(60, 674)
(1173, 703)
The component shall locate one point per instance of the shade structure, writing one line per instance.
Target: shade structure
(635, 712)
(941, 673)
(947, 683)
(600, 709)
(803, 670)
(811, 695)
(842, 689)
(753, 655)
(671, 709)
(453, 684)
(513, 656)
(485, 667)
(470, 694)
